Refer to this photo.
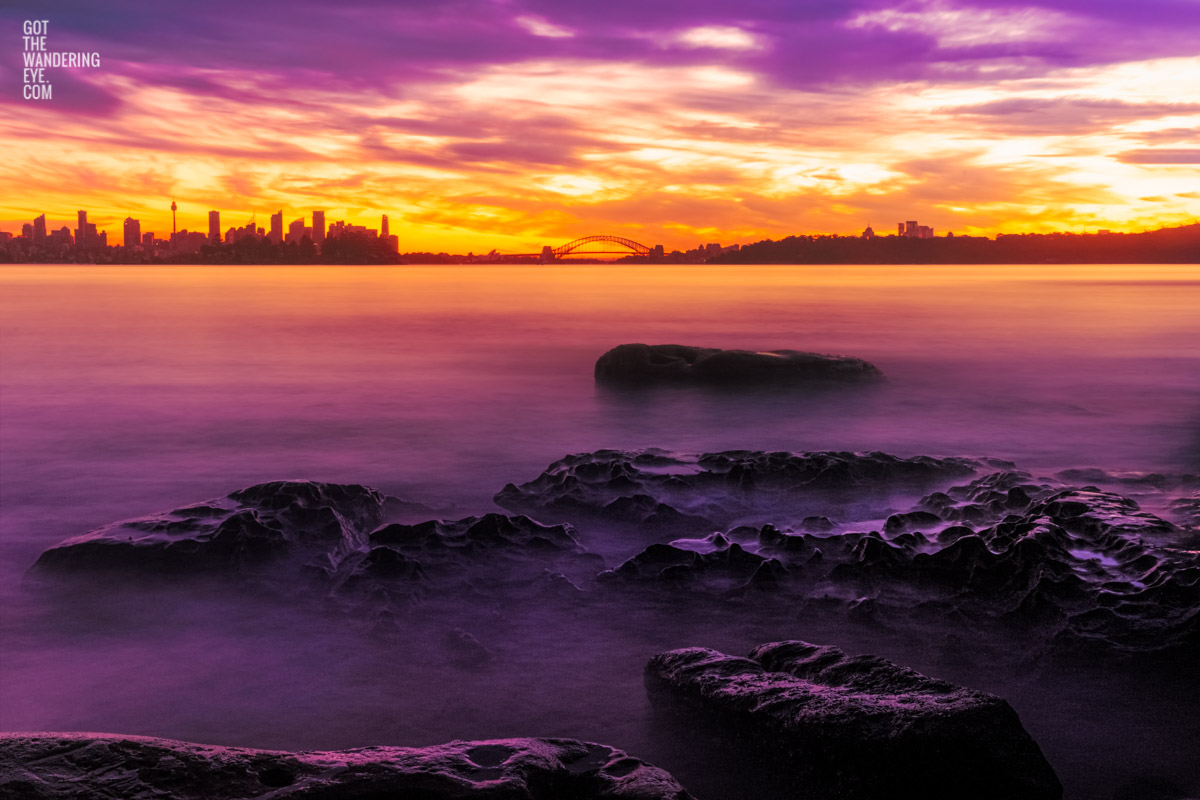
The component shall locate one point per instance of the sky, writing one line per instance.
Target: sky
(509, 124)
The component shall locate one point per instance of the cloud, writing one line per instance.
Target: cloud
(1057, 116)
(540, 27)
(522, 118)
(1147, 156)
(720, 37)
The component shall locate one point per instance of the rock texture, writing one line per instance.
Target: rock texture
(245, 530)
(961, 547)
(1074, 570)
(644, 364)
(488, 553)
(87, 766)
(857, 726)
(287, 535)
(656, 490)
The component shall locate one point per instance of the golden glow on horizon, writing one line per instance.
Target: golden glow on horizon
(541, 151)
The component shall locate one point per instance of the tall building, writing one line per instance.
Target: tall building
(133, 232)
(296, 231)
(81, 233)
(39, 229)
(148, 241)
(318, 227)
(173, 207)
(383, 227)
(214, 227)
(276, 234)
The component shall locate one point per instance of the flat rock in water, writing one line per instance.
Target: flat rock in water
(857, 727)
(645, 364)
(89, 766)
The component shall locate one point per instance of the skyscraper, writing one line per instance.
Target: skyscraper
(133, 232)
(276, 234)
(214, 227)
(81, 233)
(39, 229)
(296, 230)
(383, 226)
(318, 227)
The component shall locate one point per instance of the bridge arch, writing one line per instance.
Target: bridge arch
(636, 248)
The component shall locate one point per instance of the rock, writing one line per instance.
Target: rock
(642, 364)
(725, 569)
(283, 537)
(88, 766)
(491, 550)
(1087, 569)
(654, 490)
(856, 726)
(246, 530)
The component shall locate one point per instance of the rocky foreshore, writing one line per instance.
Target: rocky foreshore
(968, 546)
(974, 550)
(91, 766)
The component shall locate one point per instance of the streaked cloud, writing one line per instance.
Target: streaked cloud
(717, 36)
(540, 27)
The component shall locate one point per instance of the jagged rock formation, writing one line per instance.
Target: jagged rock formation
(1072, 570)
(87, 766)
(660, 491)
(489, 552)
(644, 364)
(856, 726)
(285, 535)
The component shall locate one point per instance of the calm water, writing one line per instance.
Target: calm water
(129, 390)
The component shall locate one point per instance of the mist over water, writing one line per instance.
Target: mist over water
(131, 390)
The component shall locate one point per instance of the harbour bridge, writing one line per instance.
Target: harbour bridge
(629, 245)
(609, 245)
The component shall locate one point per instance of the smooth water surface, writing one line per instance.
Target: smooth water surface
(130, 390)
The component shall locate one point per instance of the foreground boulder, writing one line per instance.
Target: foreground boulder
(644, 364)
(857, 726)
(86, 766)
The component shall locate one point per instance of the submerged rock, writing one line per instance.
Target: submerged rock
(493, 551)
(726, 569)
(643, 364)
(857, 726)
(88, 766)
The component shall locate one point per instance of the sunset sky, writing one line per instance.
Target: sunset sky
(509, 124)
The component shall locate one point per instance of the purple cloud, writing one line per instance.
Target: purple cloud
(384, 46)
(1180, 156)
